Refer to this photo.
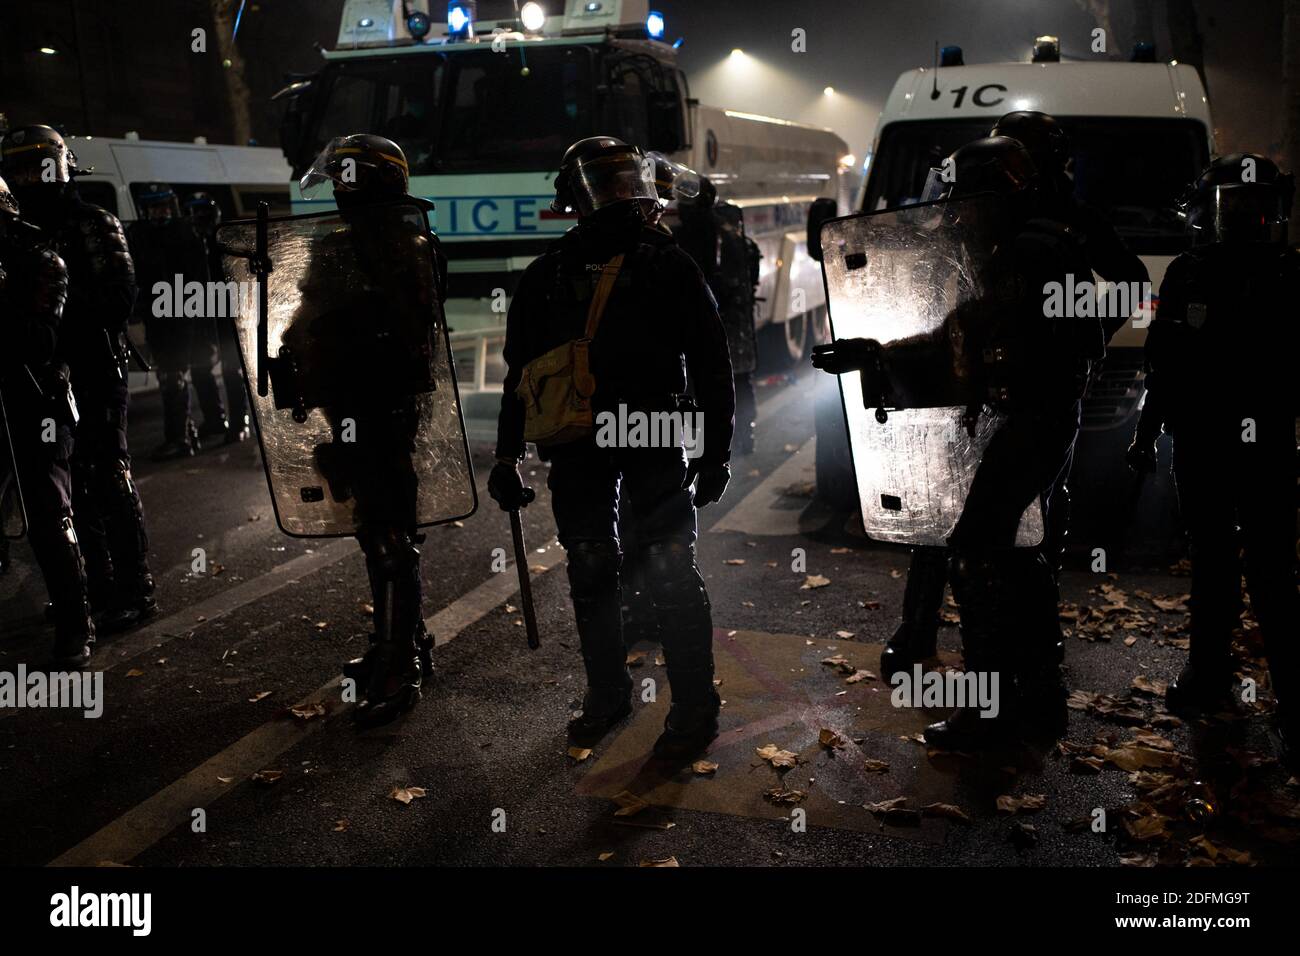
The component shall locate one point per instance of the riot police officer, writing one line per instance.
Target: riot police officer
(1048, 145)
(37, 410)
(713, 234)
(1033, 371)
(658, 322)
(1220, 377)
(350, 356)
(167, 249)
(109, 515)
(205, 214)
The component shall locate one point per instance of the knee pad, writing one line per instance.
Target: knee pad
(673, 575)
(593, 569)
(390, 553)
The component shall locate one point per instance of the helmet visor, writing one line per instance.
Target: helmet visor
(936, 187)
(613, 178)
(1244, 212)
(672, 179)
(344, 166)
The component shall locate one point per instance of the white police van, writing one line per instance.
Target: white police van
(237, 177)
(484, 102)
(121, 169)
(1140, 132)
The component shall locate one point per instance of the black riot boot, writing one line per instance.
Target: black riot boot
(1201, 687)
(1041, 691)
(391, 671)
(686, 623)
(594, 587)
(916, 638)
(59, 556)
(981, 587)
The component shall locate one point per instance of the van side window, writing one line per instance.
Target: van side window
(100, 192)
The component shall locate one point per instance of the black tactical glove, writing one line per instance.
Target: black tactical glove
(846, 355)
(710, 481)
(507, 488)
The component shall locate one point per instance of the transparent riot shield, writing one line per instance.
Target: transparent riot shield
(13, 515)
(344, 343)
(903, 275)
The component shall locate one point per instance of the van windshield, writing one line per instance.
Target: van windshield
(1131, 170)
(476, 110)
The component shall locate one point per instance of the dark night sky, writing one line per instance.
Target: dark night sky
(141, 74)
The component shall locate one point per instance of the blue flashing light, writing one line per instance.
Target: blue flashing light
(459, 17)
(654, 25)
(677, 44)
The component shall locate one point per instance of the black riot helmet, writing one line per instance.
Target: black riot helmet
(1041, 134)
(603, 171)
(996, 164)
(32, 155)
(157, 204)
(359, 167)
(1239, 198)
(203, 212)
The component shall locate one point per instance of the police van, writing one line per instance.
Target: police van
(237, 177)
(485, 97)
(121, 169)
(1140, 132)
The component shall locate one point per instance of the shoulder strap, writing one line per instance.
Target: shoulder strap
(603, 288)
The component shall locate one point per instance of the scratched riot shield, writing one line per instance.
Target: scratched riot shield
(13, 515)
(911, 278)
(344, 343)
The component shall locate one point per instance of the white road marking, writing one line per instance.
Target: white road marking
(135, 831)
(767, 510)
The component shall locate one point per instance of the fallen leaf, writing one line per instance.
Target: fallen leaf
(1031, 803)
(778, 758)
(579, 753)
(308, 711)
(255, 698)
(665, 861)
(885, 805)
(840, 663)
(830, 739)
(629, 804)
(859, 675)
(340, 825)
(844, 635)
(135, 672)
(875, 766)
(267, 777)
(813, 581)
(607, 855)
(407, 794)
(704, 767)
(783, 797)
(635, 659)
(1145, 685)
(948, 811)
(734, 561)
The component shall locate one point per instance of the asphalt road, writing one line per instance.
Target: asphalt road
(199, 758)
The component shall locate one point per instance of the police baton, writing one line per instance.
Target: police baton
(521, 565)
